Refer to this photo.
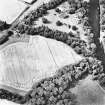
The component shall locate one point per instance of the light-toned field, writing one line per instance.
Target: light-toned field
(89, 92)
(29, 1)
(24, 63)
(10, 10)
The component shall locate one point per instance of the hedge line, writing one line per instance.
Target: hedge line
(40, 11)
(3, 25)
(14, 97)
(78, 45)
(56, 90)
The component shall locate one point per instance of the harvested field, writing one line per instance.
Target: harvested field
(26, 67)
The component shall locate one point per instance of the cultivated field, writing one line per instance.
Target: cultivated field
(29, 62)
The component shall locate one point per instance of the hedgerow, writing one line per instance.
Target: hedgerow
(14, 97)
(56, 90)
(102, 15)
(26, 27)
(41, 11)
(3, 25)
(78, 45)
(77, 4)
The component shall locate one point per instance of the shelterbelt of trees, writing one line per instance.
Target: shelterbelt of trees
(102, 15)
(42, 10)
(76, 43)
(3, 25)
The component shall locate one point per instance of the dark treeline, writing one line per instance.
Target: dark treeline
(40, 11)
(102, 15)
(26, 27)
(3, 25)
(77, 4)
(56, 90)
(5, 36)
(14, 97)
(78, 45)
